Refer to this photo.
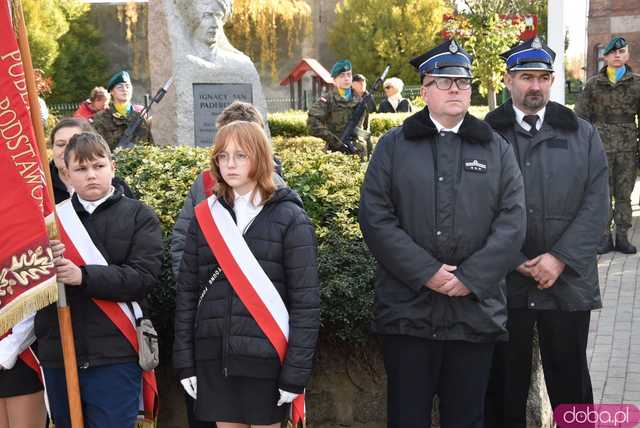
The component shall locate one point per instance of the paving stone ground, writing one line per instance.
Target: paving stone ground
(614, 335)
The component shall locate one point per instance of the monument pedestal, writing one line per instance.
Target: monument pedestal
(186, 41)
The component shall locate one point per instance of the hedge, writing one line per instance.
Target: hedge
(294, 123)
(329, 185)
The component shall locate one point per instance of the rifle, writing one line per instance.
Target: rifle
(127, 139)
(349, 134)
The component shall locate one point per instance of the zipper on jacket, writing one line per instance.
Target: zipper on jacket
(434, 152)
(226, 333)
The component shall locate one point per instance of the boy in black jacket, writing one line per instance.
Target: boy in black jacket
(127, 237)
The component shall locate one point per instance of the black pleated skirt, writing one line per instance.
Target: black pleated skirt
(235, 398)
(20, 380)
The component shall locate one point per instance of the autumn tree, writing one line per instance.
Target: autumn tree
(489, 27)
(81, 64)
(47, 21)
(373, 33)
(268, 31)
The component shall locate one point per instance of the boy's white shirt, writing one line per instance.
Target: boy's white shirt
(90, 206)
(20, 338)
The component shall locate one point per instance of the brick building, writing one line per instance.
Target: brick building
(608, 18)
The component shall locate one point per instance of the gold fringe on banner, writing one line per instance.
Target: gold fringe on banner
(27, 303)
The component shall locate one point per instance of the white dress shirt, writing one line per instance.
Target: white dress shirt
(520, 118)
(90, 206)
(246, 209)
(441, 128)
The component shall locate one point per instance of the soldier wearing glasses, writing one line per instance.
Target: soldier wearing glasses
(442, 212)
(555, 285)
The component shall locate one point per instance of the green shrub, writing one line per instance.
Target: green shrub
(380, 123)
(162, 177)
(290, 124)
(329, 185)
(294, 123)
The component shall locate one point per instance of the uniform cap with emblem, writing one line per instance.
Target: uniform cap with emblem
(448, 59)
(340, 67)
(119, 77)
(616, 43)
(531, 55)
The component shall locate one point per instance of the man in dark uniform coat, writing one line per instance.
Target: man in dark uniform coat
(442, 211)
(555, 285)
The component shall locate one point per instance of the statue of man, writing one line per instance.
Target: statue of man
(202, 54)
(205, 20)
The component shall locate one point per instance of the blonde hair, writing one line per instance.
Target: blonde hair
(395, 82)
(250, 137)
(98, 93)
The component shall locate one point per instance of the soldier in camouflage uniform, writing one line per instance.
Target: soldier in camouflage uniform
(113, 121)
(330, 114)
(611, 101)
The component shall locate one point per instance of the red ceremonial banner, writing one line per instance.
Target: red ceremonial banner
(27, 276)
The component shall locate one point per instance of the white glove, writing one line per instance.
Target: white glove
(190, 385)
(286, 397)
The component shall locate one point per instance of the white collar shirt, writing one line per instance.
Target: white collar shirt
(520, 118)
(90, 206)
(441, 128)
(246, 209)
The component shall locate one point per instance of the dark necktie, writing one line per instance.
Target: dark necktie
(532, 120)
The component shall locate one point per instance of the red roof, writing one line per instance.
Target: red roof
(305, 65)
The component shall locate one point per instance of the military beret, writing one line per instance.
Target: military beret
(531, 54)
(119, 77)
(340, 67)
(616, 43)
(448, 59)
(359, 78)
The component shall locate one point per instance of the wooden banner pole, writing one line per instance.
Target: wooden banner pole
(64, 312)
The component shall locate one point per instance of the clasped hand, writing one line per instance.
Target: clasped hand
(445, 282)
(544, 269)
(67, 272)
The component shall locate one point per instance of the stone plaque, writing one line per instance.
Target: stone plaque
(209, 99)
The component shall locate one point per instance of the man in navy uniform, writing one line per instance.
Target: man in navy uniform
(555, 285)
(442, 212)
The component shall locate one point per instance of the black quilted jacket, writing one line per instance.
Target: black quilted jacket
(220, 328)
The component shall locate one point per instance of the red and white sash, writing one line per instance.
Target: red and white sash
(80, 249)
(208, 182)
(249, 281)
(29, 358)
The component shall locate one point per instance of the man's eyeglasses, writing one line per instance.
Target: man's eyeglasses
(445, 83)
(238, 158)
